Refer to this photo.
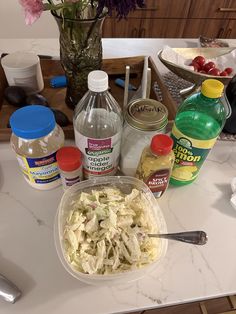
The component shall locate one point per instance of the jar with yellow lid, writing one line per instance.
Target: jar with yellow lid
(35, 139)
(198, 122)
(144, 118)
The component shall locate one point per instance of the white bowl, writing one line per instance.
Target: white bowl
(125, 184)
(190, 53)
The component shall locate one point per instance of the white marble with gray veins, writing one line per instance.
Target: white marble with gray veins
(188, 273)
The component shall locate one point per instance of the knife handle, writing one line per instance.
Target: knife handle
(8, 291)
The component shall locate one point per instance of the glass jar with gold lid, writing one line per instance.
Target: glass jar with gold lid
(144, 118)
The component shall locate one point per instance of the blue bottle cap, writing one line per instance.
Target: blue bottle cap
(58, 81)
(32, 122)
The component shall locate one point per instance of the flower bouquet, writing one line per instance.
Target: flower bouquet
(80, 27)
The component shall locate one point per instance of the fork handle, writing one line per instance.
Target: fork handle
(193, 237)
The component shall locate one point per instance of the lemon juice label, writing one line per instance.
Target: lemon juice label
(190, 154)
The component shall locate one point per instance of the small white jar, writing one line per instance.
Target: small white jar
(23, 69)
(69, 160)
(144, 118)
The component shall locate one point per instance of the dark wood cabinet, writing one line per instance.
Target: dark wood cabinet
(211, 19)
(162, 28)
(218, 9)
(144, 28)
(214, 28)
(230, 31)
(129, 28)
(163, 9)
(177, 19)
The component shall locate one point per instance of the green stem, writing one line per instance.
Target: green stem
(55, 7)
(90, 32)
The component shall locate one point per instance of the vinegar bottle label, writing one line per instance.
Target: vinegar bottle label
(190, 154)
(100, 156)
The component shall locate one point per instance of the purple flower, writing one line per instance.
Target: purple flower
(122, 7)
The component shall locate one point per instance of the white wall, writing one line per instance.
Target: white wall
(12, 23)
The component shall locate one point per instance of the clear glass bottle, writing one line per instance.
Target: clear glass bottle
(98, 126)
(35, 139)
(156, 164)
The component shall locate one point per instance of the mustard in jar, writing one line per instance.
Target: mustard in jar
(156, 163)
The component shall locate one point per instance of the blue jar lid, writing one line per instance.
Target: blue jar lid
(32, 122)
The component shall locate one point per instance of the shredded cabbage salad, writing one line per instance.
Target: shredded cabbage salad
(104, 229)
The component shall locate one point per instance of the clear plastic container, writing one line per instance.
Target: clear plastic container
(125, 184)
(35, 139)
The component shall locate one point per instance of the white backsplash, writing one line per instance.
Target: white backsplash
(12, 23)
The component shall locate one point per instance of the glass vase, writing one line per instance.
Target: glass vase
(80, 53)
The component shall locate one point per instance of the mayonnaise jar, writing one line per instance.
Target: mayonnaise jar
(35, 139)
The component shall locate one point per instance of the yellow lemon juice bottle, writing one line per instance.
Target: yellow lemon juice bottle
(198, 123)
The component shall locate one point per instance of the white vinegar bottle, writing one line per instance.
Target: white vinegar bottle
(98, 126)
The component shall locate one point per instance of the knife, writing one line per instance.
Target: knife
(8, 291)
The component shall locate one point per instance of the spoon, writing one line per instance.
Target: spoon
(193, 237)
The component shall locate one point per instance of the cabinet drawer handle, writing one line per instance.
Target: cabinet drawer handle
(227, 9)
(228, 33)
(134, 33)
(221, 30)
(142, 33)
(147, 9)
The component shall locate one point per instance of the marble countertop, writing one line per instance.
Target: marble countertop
(188, 273)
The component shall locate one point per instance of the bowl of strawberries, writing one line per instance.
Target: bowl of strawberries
(198, 64)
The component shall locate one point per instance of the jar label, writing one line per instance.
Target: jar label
(190, 154)
(100, 156)
(69, 181)
(158, 182)
(41, 170)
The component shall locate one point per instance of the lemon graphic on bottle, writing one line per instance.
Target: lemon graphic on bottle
(184, 172)
(198, 122)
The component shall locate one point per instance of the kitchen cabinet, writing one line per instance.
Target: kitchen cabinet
(163, 9)
(230, 31)
(213, 9)
(177, 19)
(144, 28)
(129, 28)
(160, 18)
(162, 28)
(215, 28)
(210, 28)
(211, 19)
